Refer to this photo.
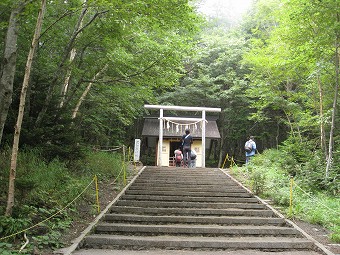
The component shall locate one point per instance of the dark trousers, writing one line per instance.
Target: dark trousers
(187, 156)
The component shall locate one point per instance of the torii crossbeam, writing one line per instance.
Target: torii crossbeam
(161, 109)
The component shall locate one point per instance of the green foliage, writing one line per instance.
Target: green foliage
(44, 188)
(6, 249)
(104, 164)
(143, 44)
(291, 57)
(10, 226)
(47, 234)
(258, 179)
(310, 201)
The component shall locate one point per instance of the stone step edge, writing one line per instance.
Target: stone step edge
(189, 211)
(200, 242)
(216, 205)
(181, 229)
(220, 220)
(175, 198)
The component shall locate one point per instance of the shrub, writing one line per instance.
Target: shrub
(310, 200)
(44, 187)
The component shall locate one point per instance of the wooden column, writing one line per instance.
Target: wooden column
(203, 139)
(160, 141)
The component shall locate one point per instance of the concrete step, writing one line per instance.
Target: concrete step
(208, 188)
(183, 184)
(189, 199)
(188, 193)
(184, 219)
(179, 177)
(189, 177)
(165, 204)
(178, 242)
(191, 211)
(200, 230)
(159, 251)
(187, 185)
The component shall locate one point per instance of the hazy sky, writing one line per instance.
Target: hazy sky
(232, 9)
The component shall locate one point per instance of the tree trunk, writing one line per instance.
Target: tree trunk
(8, 65)
(65, 86)
(331, 133)
(322, 125)
(86, 91)
(49, 95)
(15, 148)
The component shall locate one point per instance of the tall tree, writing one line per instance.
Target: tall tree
(295, 67)
(15, 148)
(143, 43)
(8, 63)
(216, 78)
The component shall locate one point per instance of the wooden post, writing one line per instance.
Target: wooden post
(160, 142)
(203, 138)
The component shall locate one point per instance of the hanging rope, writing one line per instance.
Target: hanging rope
(180, 127)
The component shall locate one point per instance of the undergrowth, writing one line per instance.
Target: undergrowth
(269, 176)
(43, 189)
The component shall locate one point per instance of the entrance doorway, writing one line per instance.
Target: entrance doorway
(173, 146)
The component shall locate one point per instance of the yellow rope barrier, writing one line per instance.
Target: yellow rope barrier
(95, 179)
(232, 162)
(124, 174)
(336, 212)
(291, 196)
(292, 185)
(231, 159)
(225, 159)
(97, 193)
(53, 215)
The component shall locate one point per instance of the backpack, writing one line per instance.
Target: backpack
(193, 155)
(248, 147)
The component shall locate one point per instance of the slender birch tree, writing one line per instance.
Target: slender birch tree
(15, 147)
(86, 91)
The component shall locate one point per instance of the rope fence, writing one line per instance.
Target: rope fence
(230, 159)
(292, 185)
(53, 215)
(123, 172)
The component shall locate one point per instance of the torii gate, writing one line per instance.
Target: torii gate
(181, 108)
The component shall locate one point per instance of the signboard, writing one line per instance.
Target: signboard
(136, 153)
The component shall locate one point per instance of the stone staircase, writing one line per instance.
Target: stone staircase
(181, 208)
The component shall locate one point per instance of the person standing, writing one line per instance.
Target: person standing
(250, 148)
(178, 157)
(193, 158)
(186, 143)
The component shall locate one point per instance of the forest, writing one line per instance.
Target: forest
(76, 74)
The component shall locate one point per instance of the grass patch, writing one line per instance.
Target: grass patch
(266, 177)
(43, 189)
